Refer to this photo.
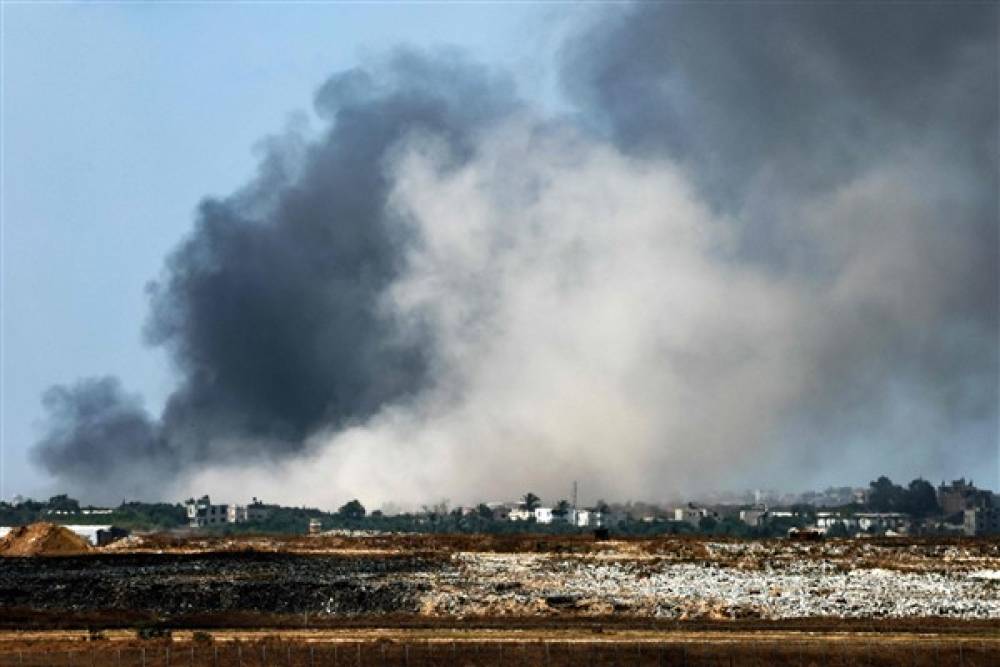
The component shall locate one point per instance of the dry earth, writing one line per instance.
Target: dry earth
(422, 576)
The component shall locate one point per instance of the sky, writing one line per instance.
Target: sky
(104, 105)
(410, 251)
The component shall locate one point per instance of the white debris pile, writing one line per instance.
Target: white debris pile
(522, 584)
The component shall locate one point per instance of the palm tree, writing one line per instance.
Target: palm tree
(562, 508)
(530, 501)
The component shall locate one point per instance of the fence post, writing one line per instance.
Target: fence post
(311, 653)
(359, 654)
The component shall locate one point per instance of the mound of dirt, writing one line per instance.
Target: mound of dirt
(42, 539)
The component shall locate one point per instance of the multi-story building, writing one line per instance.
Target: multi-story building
(981, 521)
(827, 520)
(692, 514)
(879, 521)
(255, 511)
(754, 516)
(203, 513)
(961, 495)
(543, 515)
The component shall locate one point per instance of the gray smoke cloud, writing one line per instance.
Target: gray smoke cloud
(856, 147)
(767, 239)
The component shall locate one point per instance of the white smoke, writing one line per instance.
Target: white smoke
(589, 324)
(593, 322)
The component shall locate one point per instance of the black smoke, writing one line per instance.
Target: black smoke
(270, 309)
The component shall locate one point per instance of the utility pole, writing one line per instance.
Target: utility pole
(574, 494)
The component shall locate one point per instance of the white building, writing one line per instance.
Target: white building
(203, 513)
(691, 514)
(827, 520)
(255, 511)
(873, 521)
(590, 518)
(520, 514)
(543, 515)
(981, 521)
(754, 516)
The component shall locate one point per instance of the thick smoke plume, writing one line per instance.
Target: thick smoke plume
(766, 245)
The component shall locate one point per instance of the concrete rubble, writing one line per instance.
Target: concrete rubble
(514, 584)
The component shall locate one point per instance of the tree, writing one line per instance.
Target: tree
(530, 501)
(562, 508)
(484, 511)
(921, 499)
(64, 503)
(884, 496)
(707, 524)
(352, 510)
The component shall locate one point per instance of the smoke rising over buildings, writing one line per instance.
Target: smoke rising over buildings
(767, 237)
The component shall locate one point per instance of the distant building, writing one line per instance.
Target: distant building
(203, 513)
(255, 511)
(520, 514)
(961, 495)
(882, 521)
(692, 514)
(591, 518)
(754, 516)
(981, 521)
(543, 515)
(827, 520)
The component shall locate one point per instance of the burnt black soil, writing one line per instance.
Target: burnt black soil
(171, 584)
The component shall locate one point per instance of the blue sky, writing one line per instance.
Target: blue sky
(119, 118)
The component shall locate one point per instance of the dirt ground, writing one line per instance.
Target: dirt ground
(482, 600)
(479, 648)
(522, 576)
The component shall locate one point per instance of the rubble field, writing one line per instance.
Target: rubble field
(516, 577)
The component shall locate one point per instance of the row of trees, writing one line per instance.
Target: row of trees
(918, 499)
(62, 508)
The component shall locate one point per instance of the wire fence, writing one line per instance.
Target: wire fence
(814, 653)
